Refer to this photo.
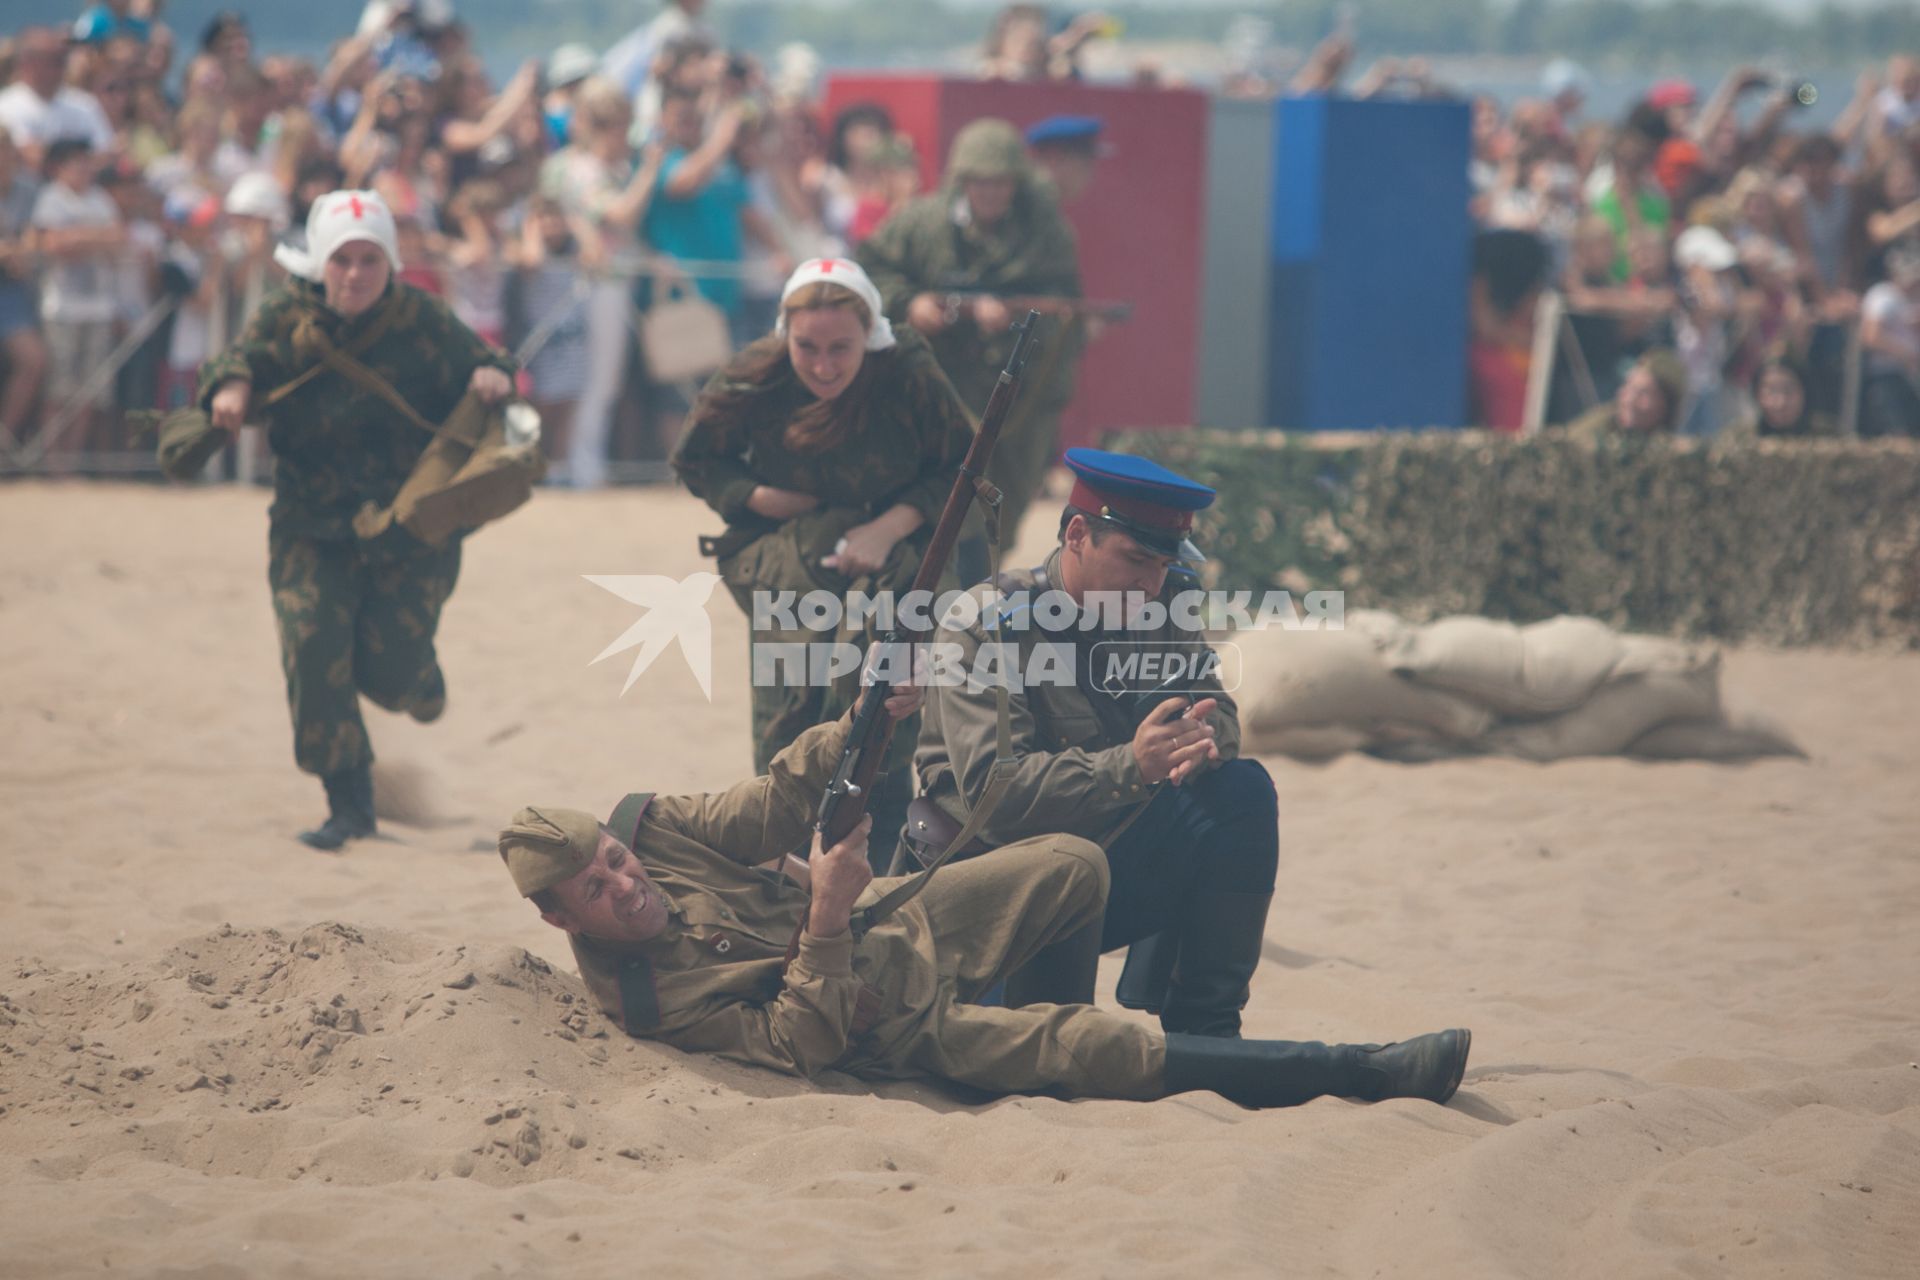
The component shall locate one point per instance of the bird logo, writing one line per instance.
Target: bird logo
(676, 610)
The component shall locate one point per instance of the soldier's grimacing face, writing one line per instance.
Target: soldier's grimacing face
(611, 899)
(826, 346)
(355, 276)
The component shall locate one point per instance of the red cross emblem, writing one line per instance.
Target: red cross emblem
(827, 265)
(359, 210)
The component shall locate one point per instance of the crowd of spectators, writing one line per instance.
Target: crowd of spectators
(145, 180)
(140, 202)
(1779, 264)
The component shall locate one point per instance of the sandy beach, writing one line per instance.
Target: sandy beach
(1694, 988)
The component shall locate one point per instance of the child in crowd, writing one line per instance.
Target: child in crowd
(476, 273)
(137, 282)
(195, 270)
(81, 238)
(418, 266)
(546, 293)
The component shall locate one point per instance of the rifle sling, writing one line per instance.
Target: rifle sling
(999, 773)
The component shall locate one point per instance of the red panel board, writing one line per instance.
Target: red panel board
(1139, 225)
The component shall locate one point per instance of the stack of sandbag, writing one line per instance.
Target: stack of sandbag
(1564, 687)
(1317, 694)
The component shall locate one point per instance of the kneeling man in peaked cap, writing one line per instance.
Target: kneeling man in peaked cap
(1113, 749)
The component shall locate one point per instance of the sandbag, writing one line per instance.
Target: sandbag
(1619, 713)
(1310, 743)
(1386, 630)
(1513, 671)
(1736, 737)
(1297, 679)
(1643, 655)
(482, 465)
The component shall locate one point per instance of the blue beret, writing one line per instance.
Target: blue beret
(1056, 129)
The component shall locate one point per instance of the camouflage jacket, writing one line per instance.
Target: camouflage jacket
(1072, 739)
(337, 445)
(925, 248)
(915, 434)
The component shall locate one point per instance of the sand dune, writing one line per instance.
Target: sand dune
(1694, 988)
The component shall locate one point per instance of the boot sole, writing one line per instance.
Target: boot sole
(1459, 1066)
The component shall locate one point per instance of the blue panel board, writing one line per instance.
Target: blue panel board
(1370, 242)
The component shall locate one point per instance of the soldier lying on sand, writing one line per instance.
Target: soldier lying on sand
(684, 935)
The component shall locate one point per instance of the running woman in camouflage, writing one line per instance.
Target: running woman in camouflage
(355, 616)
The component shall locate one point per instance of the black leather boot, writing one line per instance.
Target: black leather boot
(1285, 1073)
(349, 809)
(1220, 937)
(1148, 973)
(429, 703)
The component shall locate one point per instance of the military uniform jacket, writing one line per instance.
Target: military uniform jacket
(337, 445)
(713, 981)
(925, 248)
(915, 434)
(1075, 770)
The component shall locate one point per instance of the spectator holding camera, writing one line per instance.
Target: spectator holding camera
(39, 108)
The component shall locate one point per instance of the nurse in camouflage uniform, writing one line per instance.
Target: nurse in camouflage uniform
(829, 447)
(354, 617)
(945, 265)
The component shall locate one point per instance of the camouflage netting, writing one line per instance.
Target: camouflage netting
(1783, 542)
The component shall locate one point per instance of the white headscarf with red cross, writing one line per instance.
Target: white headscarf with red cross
(848, 275)
(337, 218)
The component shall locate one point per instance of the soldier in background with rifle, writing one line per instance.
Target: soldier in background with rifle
(685, 933)
(959, 265)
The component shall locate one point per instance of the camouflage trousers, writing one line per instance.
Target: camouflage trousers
(351, 626)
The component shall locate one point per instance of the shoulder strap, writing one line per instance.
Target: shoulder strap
(361, 342)
(639, 998)
(625, 819)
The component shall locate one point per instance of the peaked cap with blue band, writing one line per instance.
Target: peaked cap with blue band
(1141, 498)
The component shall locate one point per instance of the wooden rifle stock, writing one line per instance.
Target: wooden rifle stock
(845, 798)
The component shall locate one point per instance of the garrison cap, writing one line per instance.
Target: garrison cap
(1141, 498)
(987, 148)
(1065, 131)
(543, 847)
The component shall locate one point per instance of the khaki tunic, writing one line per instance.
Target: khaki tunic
(890, 1006)
(1076, 771)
